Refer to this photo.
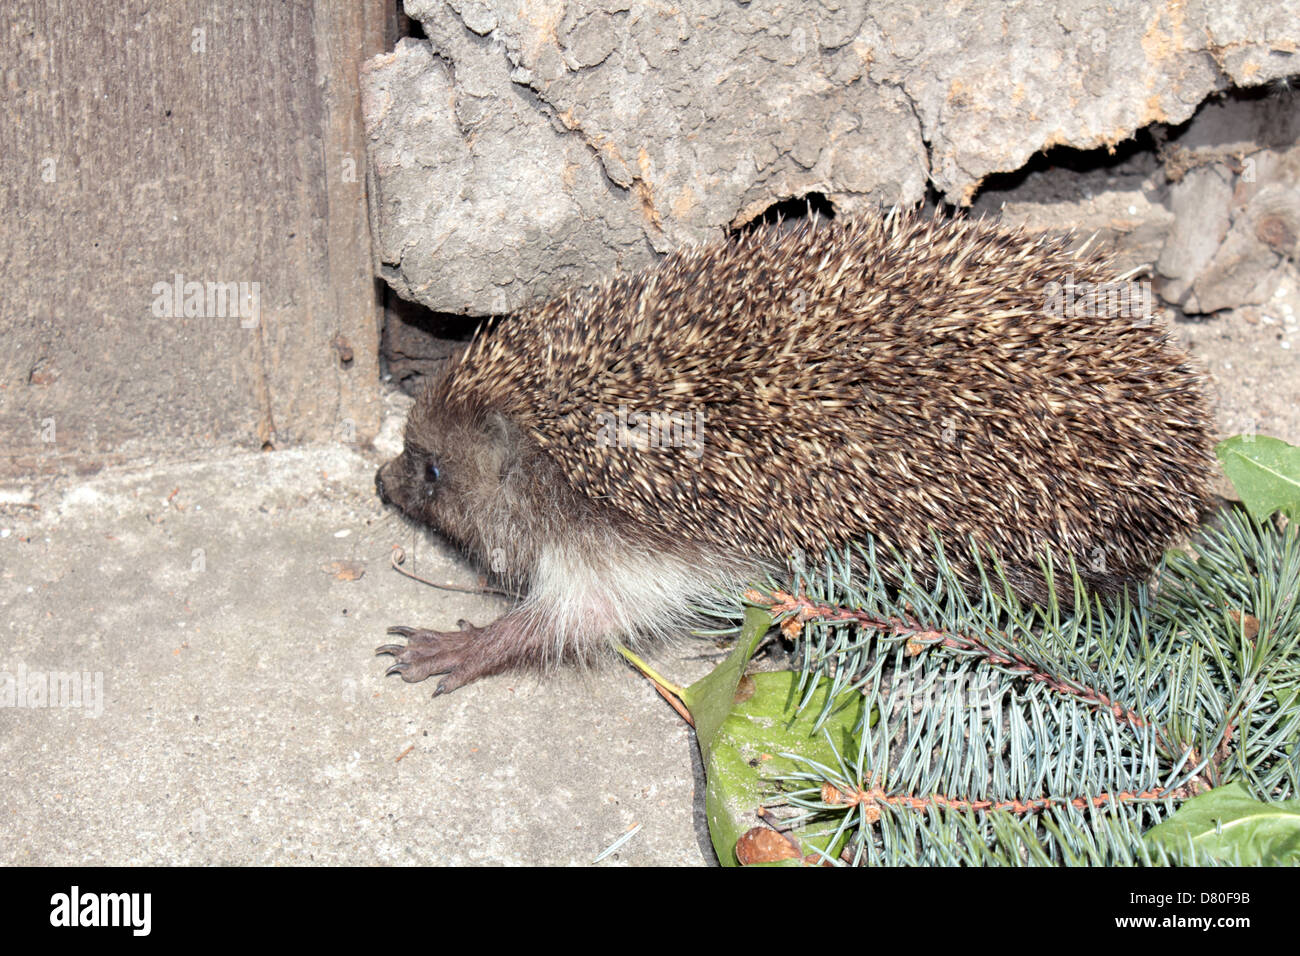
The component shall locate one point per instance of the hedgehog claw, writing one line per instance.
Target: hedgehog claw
(401, 630)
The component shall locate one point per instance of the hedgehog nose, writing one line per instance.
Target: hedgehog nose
(379, 487)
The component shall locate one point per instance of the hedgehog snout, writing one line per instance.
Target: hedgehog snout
(379, 486)
(390, 484)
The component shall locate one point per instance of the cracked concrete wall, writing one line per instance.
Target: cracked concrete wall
(539, 143)
(1236, 199)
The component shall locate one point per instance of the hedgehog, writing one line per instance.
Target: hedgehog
(625, 452)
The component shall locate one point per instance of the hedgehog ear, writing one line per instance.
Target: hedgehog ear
(497, 428)
(500, 438)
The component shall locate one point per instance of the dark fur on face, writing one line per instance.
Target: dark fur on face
(472, 475)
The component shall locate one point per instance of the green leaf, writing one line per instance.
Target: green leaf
(1228, 825)
(741, 740)
(1266, 473)
(746, 755)
(711, 697)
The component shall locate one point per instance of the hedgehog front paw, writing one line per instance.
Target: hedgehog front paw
(433, 652)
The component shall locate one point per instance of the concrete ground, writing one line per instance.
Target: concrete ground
(224, 613)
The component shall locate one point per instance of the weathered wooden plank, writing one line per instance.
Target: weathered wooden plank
(218, 142)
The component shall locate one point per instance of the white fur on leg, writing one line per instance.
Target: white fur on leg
(607, 590)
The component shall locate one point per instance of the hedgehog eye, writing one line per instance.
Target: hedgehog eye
(432, 474)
